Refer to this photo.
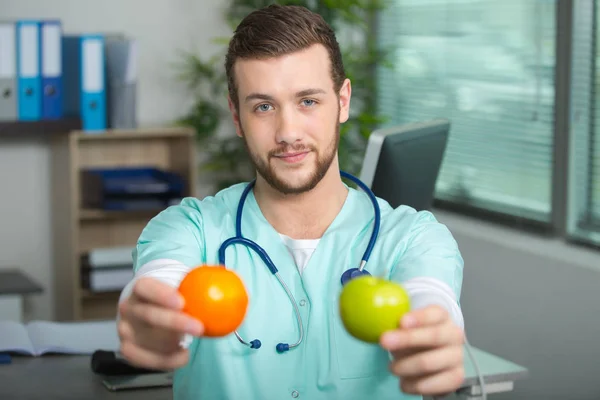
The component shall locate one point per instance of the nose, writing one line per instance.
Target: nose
(289, 127)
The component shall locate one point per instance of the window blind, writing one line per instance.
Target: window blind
(595, 135)
(584, 168)
(487, 66)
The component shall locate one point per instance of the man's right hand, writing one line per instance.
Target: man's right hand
(152, 325)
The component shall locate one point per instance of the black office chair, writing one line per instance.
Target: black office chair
(402, 163)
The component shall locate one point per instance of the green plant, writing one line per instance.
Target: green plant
(206, 79)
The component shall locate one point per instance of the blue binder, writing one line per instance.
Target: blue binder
(84, 80)
(28, 71)
(130, 188)
(51, 55)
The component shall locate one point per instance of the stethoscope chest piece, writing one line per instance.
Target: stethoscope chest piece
(352, 273)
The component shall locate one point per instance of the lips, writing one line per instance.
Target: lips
(292, 157)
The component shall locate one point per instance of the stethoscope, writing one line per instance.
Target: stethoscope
(346, 276)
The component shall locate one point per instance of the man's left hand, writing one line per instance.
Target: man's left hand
(427, 352)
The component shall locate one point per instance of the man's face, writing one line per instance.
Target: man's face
(289, 116)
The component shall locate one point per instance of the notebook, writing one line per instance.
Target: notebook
(40, 337)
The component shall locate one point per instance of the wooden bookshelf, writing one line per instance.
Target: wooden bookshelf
(42, 127)
(77, 229)
(95, 214)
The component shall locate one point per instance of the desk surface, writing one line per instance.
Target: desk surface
(16, 282)
(64, 377)
(493, 368)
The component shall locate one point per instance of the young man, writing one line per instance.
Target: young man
(288, 94)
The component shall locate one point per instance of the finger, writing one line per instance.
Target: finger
(159, 317)
(140, 357)
(428, 362)
(430, 336)
(404, 353)
(431, 315)
(153, 291)
(446, 381)
(124, 330)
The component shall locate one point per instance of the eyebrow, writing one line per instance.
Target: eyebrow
(266, 97)
(309, 92)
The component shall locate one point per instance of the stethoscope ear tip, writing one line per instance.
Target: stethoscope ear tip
(352, 273)
(255, 344)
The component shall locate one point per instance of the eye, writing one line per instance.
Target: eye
(308, 102)
(263, 107)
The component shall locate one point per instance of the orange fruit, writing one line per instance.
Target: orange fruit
(216, 297)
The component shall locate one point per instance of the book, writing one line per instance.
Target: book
(106, 269)
(41, 337)
(106, 279)
(106, 257)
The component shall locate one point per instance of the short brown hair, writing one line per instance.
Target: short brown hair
(277, 30)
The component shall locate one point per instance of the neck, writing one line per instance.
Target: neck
(306, 215)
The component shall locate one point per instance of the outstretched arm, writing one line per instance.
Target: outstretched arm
(151, 324)
(427, 348)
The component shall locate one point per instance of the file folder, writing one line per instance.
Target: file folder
(121, 73)
(8, 71)
(84, 80)
(93, 83)
(130, 188)
(51, 33)
(28, 71)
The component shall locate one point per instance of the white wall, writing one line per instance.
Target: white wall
(162, 27)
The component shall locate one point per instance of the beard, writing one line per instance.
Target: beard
(322, 164)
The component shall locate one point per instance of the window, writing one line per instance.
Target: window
(487, 66)
(584, 177)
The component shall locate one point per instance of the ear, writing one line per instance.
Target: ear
(344, 95)
(235, 115)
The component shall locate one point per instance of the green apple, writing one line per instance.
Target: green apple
(370, 306)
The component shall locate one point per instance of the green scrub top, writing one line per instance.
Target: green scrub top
(329, 363)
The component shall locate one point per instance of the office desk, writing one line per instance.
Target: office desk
(499, 375)
(64, 377)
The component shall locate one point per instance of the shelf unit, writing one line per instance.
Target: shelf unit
(42, 128)
(77, 230)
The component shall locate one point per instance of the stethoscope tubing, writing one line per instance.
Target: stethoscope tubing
(238, 238)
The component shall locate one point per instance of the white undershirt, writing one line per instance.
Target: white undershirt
(423, 291)
(300, 249)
